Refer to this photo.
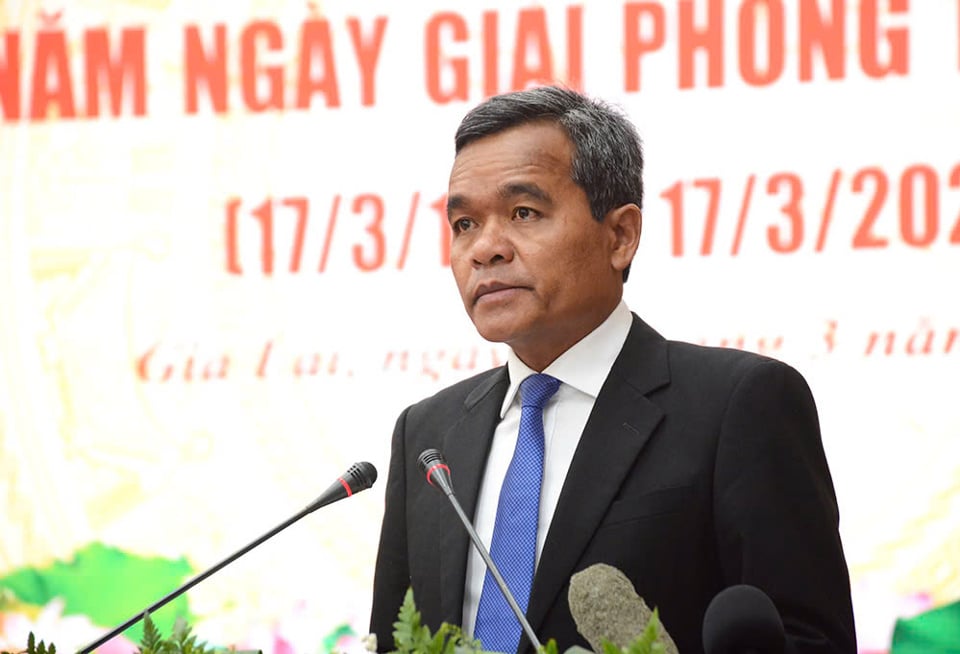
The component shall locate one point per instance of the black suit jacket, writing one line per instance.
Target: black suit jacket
(699, 468)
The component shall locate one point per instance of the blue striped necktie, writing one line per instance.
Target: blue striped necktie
(514, 544)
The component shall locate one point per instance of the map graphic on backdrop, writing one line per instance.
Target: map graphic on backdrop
(224, 271)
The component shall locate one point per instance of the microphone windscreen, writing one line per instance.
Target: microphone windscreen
(742, 618)
(361, 476)
(434, 467)
(429, 458)
(605, 606)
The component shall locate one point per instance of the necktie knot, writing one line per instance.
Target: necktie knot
(535, 390)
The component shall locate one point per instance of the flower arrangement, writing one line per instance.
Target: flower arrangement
(412, 637)
(591, 592)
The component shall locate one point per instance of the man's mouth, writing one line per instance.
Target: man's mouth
(493, 289)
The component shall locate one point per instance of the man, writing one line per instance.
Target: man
(688, 468)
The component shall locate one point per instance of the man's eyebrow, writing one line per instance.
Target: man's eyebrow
(455, 203)
(505, 191)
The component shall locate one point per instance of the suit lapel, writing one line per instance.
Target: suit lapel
(619, 426)
(466, 445)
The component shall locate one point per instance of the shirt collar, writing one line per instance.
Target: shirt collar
(584, 366)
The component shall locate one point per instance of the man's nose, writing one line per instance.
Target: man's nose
(493, 244)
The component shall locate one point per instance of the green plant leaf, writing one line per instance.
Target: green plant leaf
(412, 637)
(181, 633)
(408, 622)
(152, 641)
(647, 642)
(610, 648)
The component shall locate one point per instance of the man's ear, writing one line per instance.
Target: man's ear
(625, 223)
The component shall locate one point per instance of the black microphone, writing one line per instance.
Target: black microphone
(742, 620)
(434, 466)
(360, 476)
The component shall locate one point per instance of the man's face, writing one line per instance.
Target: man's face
(534, 268)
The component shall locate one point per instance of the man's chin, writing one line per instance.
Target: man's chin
(497, 331)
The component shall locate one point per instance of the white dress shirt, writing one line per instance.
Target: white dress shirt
(582, 371)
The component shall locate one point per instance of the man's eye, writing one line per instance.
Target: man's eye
(524, 213)
(462, 224)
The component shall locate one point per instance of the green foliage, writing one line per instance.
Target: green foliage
(412, 637)
(181, 641)
(152, 641)
(551, 648)
(647, 643)
(33, 647)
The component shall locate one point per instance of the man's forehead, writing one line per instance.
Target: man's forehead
(495, 162)
(533, 144)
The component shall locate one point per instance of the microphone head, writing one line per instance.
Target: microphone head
(742, 618)
(429, 458)
(360, 476)
(434, 466)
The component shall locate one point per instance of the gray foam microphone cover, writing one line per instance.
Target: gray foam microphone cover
(605, 606)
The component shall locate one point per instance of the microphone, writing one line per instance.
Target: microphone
(605, 606)
(360, 476)
(434, 466)
(742, 620)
